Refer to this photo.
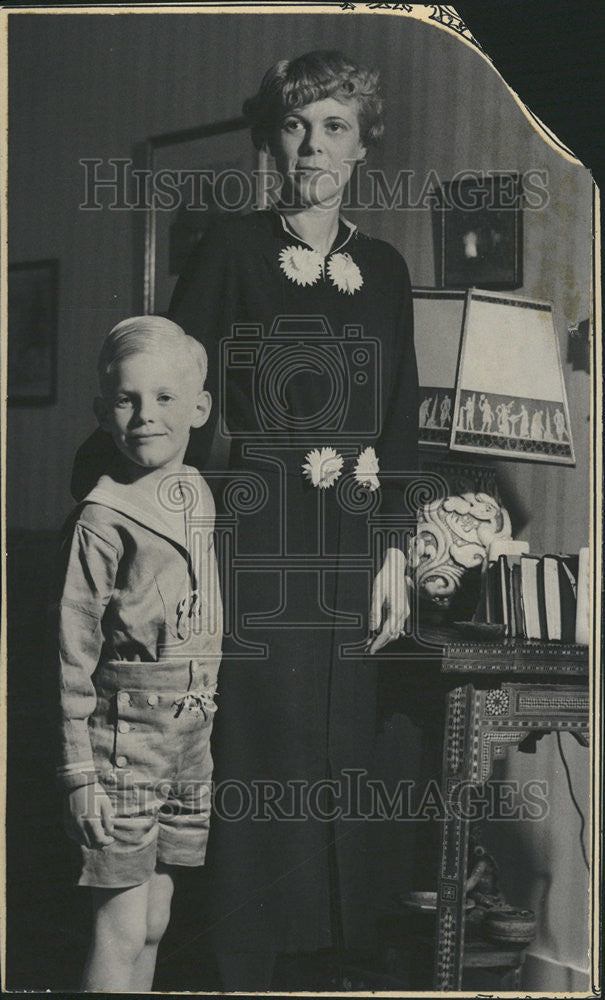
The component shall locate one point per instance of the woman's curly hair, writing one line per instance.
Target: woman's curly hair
(291, 84)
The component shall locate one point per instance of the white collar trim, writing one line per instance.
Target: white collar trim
(291, 232)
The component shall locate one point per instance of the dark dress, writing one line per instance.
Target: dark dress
(296, 366)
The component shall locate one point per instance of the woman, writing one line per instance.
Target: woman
(303, 709)
(308, 327)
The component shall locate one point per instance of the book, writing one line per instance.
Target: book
(493, 603)
(532, 598)
(515, 592)
(559, 581)
(503, 592)
(535, 597)
(509, 547)
(510, 586)
(495, 583)
(583, 598)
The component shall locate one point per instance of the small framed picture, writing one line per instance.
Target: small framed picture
(438, 317)
(33, 288)
(479, 233)
(510, 392)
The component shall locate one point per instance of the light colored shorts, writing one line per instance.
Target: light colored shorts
(150, 736)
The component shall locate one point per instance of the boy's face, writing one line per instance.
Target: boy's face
(149, 405)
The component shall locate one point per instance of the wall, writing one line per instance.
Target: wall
(94, 86)
(541, 866)
(111, 81)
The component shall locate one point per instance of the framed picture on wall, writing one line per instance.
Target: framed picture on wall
(510, 393)
(479, 233)
(194, 175)
(33, 288)
(438, 317)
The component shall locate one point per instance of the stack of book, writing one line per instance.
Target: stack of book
(536, 597)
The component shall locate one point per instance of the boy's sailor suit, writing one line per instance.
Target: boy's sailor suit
(140, 631)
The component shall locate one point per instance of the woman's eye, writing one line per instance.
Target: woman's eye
(122, 401)
(291, 124)
(165, 397)
(335, 126)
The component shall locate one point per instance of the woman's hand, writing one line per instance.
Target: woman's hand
(88, 816)
(389, 593)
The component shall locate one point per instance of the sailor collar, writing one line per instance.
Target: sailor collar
(134, 502)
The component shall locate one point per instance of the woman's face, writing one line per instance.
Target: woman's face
(316, 148)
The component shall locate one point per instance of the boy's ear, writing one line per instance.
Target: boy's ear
(101, 412)
(202, 408)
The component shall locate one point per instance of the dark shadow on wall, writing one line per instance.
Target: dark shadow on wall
(48, 918)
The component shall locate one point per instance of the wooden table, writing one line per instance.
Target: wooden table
(513, 688)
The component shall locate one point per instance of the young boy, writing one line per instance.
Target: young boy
(140, 630)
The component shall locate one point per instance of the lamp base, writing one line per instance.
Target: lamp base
(461, 474)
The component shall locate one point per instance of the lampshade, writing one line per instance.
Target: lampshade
(510, 392)
(490, 376)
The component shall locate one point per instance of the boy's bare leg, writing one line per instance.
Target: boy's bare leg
(161, 887)
(119, 931)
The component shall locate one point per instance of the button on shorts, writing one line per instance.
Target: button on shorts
(150, 737)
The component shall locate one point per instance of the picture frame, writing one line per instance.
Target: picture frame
(479, 232)
(193, 175)
(33, 290)
(511, 400)
(438, 319)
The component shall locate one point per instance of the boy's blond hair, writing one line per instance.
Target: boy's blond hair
(149, 334)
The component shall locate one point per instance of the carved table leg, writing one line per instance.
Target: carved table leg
(480, 727)
(453, 868)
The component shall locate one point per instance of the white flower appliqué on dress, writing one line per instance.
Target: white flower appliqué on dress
(304, 267)
(366, 469)
(300, 265)
(344, 273)
(322, 467)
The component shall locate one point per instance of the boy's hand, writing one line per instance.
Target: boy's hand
(88, 816)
